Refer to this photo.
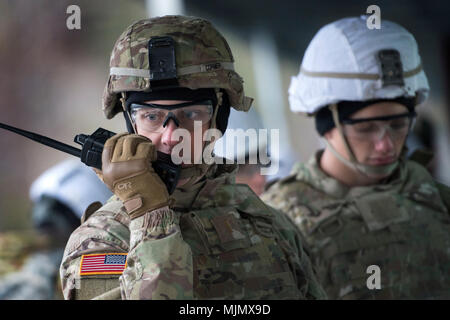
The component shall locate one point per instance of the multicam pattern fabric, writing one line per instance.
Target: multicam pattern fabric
(401, 225)
(17, 246)
(220, 241)
(197, 43)
(29, 263)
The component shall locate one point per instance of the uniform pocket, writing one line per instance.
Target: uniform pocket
(222, 230)
(243, 259)
(381, 210)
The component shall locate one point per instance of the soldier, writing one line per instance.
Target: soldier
(210, 239)
(247, 153)
(376, 224)
(29, 260)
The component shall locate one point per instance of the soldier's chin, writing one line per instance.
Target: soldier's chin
(183, 162)
(378, 173)
(378, 176)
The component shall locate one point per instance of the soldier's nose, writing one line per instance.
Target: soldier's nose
(384, 144)
(168, 136)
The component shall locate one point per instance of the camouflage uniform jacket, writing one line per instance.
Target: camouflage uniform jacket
(219, 242)
(29, 263)
(401, 225)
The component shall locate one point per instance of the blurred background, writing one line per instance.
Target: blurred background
(52, 78)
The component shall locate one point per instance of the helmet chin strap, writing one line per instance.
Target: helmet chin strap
(130, 119)
(367, 170)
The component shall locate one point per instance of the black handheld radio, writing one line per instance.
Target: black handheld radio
(91, 152)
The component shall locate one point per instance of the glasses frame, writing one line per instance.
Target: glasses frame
(170, 115)
(171, 106)
(411, 115)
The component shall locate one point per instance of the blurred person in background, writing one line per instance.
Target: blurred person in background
(29, 261)
(376, 224)
(247, 156)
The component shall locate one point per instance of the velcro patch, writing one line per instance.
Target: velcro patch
(103, 263)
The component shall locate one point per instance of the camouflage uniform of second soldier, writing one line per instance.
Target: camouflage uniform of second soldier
(29, 266)
(218, 240)
(402, 226)
(400, 223)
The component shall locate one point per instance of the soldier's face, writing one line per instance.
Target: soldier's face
(374, 142)
(164, 139)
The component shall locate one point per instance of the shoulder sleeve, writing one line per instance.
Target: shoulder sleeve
(160, 261)
(105, 233)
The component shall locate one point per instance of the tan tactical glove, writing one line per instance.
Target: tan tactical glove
(128, 172)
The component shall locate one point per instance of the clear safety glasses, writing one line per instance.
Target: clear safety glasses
(155, 117)
(374, 129)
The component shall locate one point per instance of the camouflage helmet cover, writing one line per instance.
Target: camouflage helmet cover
(203, 60)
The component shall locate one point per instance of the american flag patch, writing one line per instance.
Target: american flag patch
(103, 263)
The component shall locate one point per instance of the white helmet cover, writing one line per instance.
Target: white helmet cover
(72, 183)
(341, 63)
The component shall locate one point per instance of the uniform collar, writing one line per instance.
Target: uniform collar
(312, 174)
(202, 192)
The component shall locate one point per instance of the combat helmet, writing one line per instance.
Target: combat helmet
(171, 52)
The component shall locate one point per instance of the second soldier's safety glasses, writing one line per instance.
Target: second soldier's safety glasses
(155, 117)
(374, 129)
